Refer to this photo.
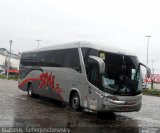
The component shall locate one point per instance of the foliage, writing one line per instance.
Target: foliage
(11, 77)
(154, 92)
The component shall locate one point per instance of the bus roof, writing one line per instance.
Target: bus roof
(98, 46)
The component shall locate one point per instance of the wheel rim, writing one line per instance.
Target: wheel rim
(30, 91)
(75, 102)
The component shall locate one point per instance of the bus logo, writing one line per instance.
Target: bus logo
(102, 56)
(48, 80)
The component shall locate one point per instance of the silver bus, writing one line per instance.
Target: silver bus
(85, 75)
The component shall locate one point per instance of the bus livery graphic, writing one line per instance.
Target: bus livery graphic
(48, 80)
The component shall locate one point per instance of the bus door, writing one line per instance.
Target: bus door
(94, 78)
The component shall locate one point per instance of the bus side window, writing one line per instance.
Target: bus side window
(71, 59)
(61, 58)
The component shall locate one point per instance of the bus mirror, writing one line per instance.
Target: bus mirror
(148, 71)
(100, 62)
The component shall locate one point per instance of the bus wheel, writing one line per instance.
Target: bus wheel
(75, 102)
(30, 91)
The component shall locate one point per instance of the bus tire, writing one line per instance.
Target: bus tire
(30, 90)
(75, 102)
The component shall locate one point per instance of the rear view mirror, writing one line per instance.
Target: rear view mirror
(148, 71)
(100, 62)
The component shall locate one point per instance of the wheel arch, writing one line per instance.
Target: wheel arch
(28, 84)
(72, 92)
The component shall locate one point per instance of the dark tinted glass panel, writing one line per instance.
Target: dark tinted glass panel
(94, 52)
(53, 58)
(50, 58)
(29, 59)
(85, 53)
(121, 74)
(29, 55)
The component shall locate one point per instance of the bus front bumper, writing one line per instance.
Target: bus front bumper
(120, 105)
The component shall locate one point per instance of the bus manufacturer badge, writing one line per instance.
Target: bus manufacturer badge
(102, 56)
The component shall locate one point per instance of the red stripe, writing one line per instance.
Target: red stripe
(27, 80)
(21, 84)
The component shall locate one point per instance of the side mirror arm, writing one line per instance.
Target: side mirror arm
(148, 71)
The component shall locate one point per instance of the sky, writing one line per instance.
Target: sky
(122, 23)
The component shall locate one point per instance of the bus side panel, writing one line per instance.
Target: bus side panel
(88, 93)
(53, 82)
(67, 79)
(28, 75)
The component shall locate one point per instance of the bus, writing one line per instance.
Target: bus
(88, 76)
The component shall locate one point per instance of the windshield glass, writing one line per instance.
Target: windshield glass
(122, 74)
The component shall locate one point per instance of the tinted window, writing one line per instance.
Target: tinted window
(86, 52)
(94, 52)
(29, 55)
(53, 58)
(29, 59)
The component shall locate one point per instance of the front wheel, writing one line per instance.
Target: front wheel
(30, 91)
(75, 102)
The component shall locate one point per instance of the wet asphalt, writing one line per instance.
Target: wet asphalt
(19, 110)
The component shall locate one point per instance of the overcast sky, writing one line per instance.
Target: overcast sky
(122, 23)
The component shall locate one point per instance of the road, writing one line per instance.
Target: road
(19, 110)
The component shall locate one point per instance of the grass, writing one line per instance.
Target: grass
(152, 92)
(9, 77)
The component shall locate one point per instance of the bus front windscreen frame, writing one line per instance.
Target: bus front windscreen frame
(122, 74)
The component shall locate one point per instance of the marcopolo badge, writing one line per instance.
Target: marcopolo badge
(102, 56)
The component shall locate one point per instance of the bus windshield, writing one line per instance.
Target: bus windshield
(122, 74)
